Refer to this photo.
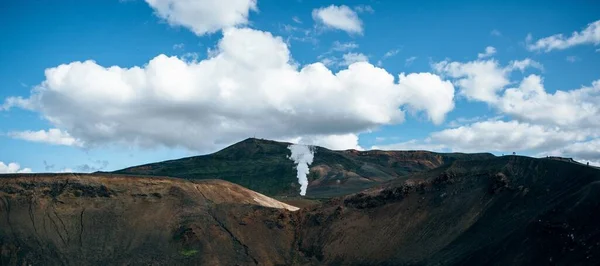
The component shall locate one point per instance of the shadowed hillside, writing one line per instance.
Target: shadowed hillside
(263, 166)
(504, 211)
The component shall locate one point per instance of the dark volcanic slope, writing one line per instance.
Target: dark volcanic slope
(119, 220)
(508, 210)
(504, 211)
(263, 166)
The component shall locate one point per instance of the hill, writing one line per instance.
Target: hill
(264, 166)
(123, 220)
(508, 210)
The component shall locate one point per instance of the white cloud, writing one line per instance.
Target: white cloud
(589, 35)
(11, 102)
(549, 123)
(494, 136)
(190, 57)
(488, 82)
(343, 61)
(342, 47)
(412, 145)
(351, 58)
(481, 80)
(579, 108)
(13, 168)
(561, 123)
(504, 136)
(333, 142)
(338, 17)
(202, 17)
(495, 33)
(289, 28)
(428, 92)
(478, 80)
(364, 9)
(297, 33)
(380, 139)
(584, 151)
(297, 19)
(410, 60)
(489, 51)
(331, 61)
(52, 136)
(464, 120)
(66, 170)
(178, 46)
(387, 55)
(391, 53)
(249, 86)
(521, 65)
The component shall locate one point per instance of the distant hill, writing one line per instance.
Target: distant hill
(263, 166)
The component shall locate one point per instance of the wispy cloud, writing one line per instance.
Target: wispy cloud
(391, 53)
(572, 58)
(468, 120)
(589, 35)
(345, 60)
(52, 136)
(342, 47)
(351, 58)
(410, 60)
(178, 46)
(297, 33)
(364, 9)
(489, 51)
(387, 55)
(95, 166)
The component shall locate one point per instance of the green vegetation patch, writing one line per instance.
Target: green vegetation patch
(188, 252)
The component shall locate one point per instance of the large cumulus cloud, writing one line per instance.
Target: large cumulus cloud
(249, 87)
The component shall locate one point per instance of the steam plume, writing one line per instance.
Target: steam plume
(303, 156)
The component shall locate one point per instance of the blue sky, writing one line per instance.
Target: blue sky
(260, 68)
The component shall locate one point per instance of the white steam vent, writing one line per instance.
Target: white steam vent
(303, 156)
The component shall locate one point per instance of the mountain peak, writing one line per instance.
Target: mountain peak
(252, 147)
(264, 166)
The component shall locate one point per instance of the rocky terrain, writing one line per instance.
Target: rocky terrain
(508, 210)
(504, 211)
(123, 220)
(264, 166)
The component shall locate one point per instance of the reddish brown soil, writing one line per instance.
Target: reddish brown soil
(509, 210)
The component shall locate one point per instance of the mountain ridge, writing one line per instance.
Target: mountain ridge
(465, 213)
(264, 166)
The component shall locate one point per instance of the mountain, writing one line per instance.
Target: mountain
(264, 166)
(508, 210)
